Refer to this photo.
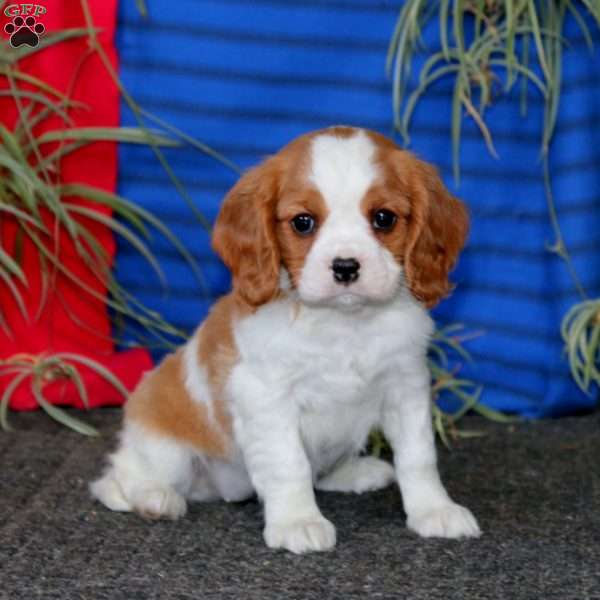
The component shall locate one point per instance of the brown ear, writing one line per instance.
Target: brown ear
(438, 230)
(244, 234)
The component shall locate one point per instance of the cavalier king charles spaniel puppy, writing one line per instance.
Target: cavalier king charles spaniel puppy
(337, 245)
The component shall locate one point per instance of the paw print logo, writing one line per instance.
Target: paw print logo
(24, 31)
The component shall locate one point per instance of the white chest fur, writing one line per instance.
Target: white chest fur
(324, 370)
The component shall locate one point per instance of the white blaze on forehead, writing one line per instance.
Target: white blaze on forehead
(342, 168)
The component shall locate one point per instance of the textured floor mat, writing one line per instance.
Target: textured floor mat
(535, 488)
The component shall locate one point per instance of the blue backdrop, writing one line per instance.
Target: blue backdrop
(247, 77)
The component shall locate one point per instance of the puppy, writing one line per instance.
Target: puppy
(337, 245)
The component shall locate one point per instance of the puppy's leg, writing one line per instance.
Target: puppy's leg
(358, 475)
(230, 478)
(268, 433)
(406, 421)
(147, 474)
(202, 488)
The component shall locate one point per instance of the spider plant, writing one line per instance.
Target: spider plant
(31, 191)
(486, 45)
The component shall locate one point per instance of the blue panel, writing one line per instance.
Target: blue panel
(246, 77)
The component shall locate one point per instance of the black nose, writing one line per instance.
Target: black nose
(345, 270)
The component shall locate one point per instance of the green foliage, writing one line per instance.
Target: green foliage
(581, 333)
(40, 370)
(480, 40)
(30, 187)
(447, 342)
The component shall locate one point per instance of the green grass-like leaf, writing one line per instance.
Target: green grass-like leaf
(580, 330)
(60, 415)
(129, 135)
(6, 396)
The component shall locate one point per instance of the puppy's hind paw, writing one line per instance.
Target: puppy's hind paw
(358, 475)
(304, 535)
(448, 521)
(107, 490)
(159, 502)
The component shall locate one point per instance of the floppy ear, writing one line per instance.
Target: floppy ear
(244, 234)
(438, 228)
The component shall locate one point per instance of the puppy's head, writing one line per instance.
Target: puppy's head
(349, 216)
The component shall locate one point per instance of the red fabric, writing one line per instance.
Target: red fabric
(86, 329)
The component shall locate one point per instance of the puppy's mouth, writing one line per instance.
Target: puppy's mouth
(344, 299)
(349, 300)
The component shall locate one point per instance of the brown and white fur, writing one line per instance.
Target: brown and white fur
(278, 389)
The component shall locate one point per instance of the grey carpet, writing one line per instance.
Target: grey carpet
(535, 488)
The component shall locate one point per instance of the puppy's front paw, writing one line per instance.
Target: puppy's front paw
(304, 535)
(448, 521)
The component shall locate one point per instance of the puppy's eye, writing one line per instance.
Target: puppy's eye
(303, 224)
(383, 220)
